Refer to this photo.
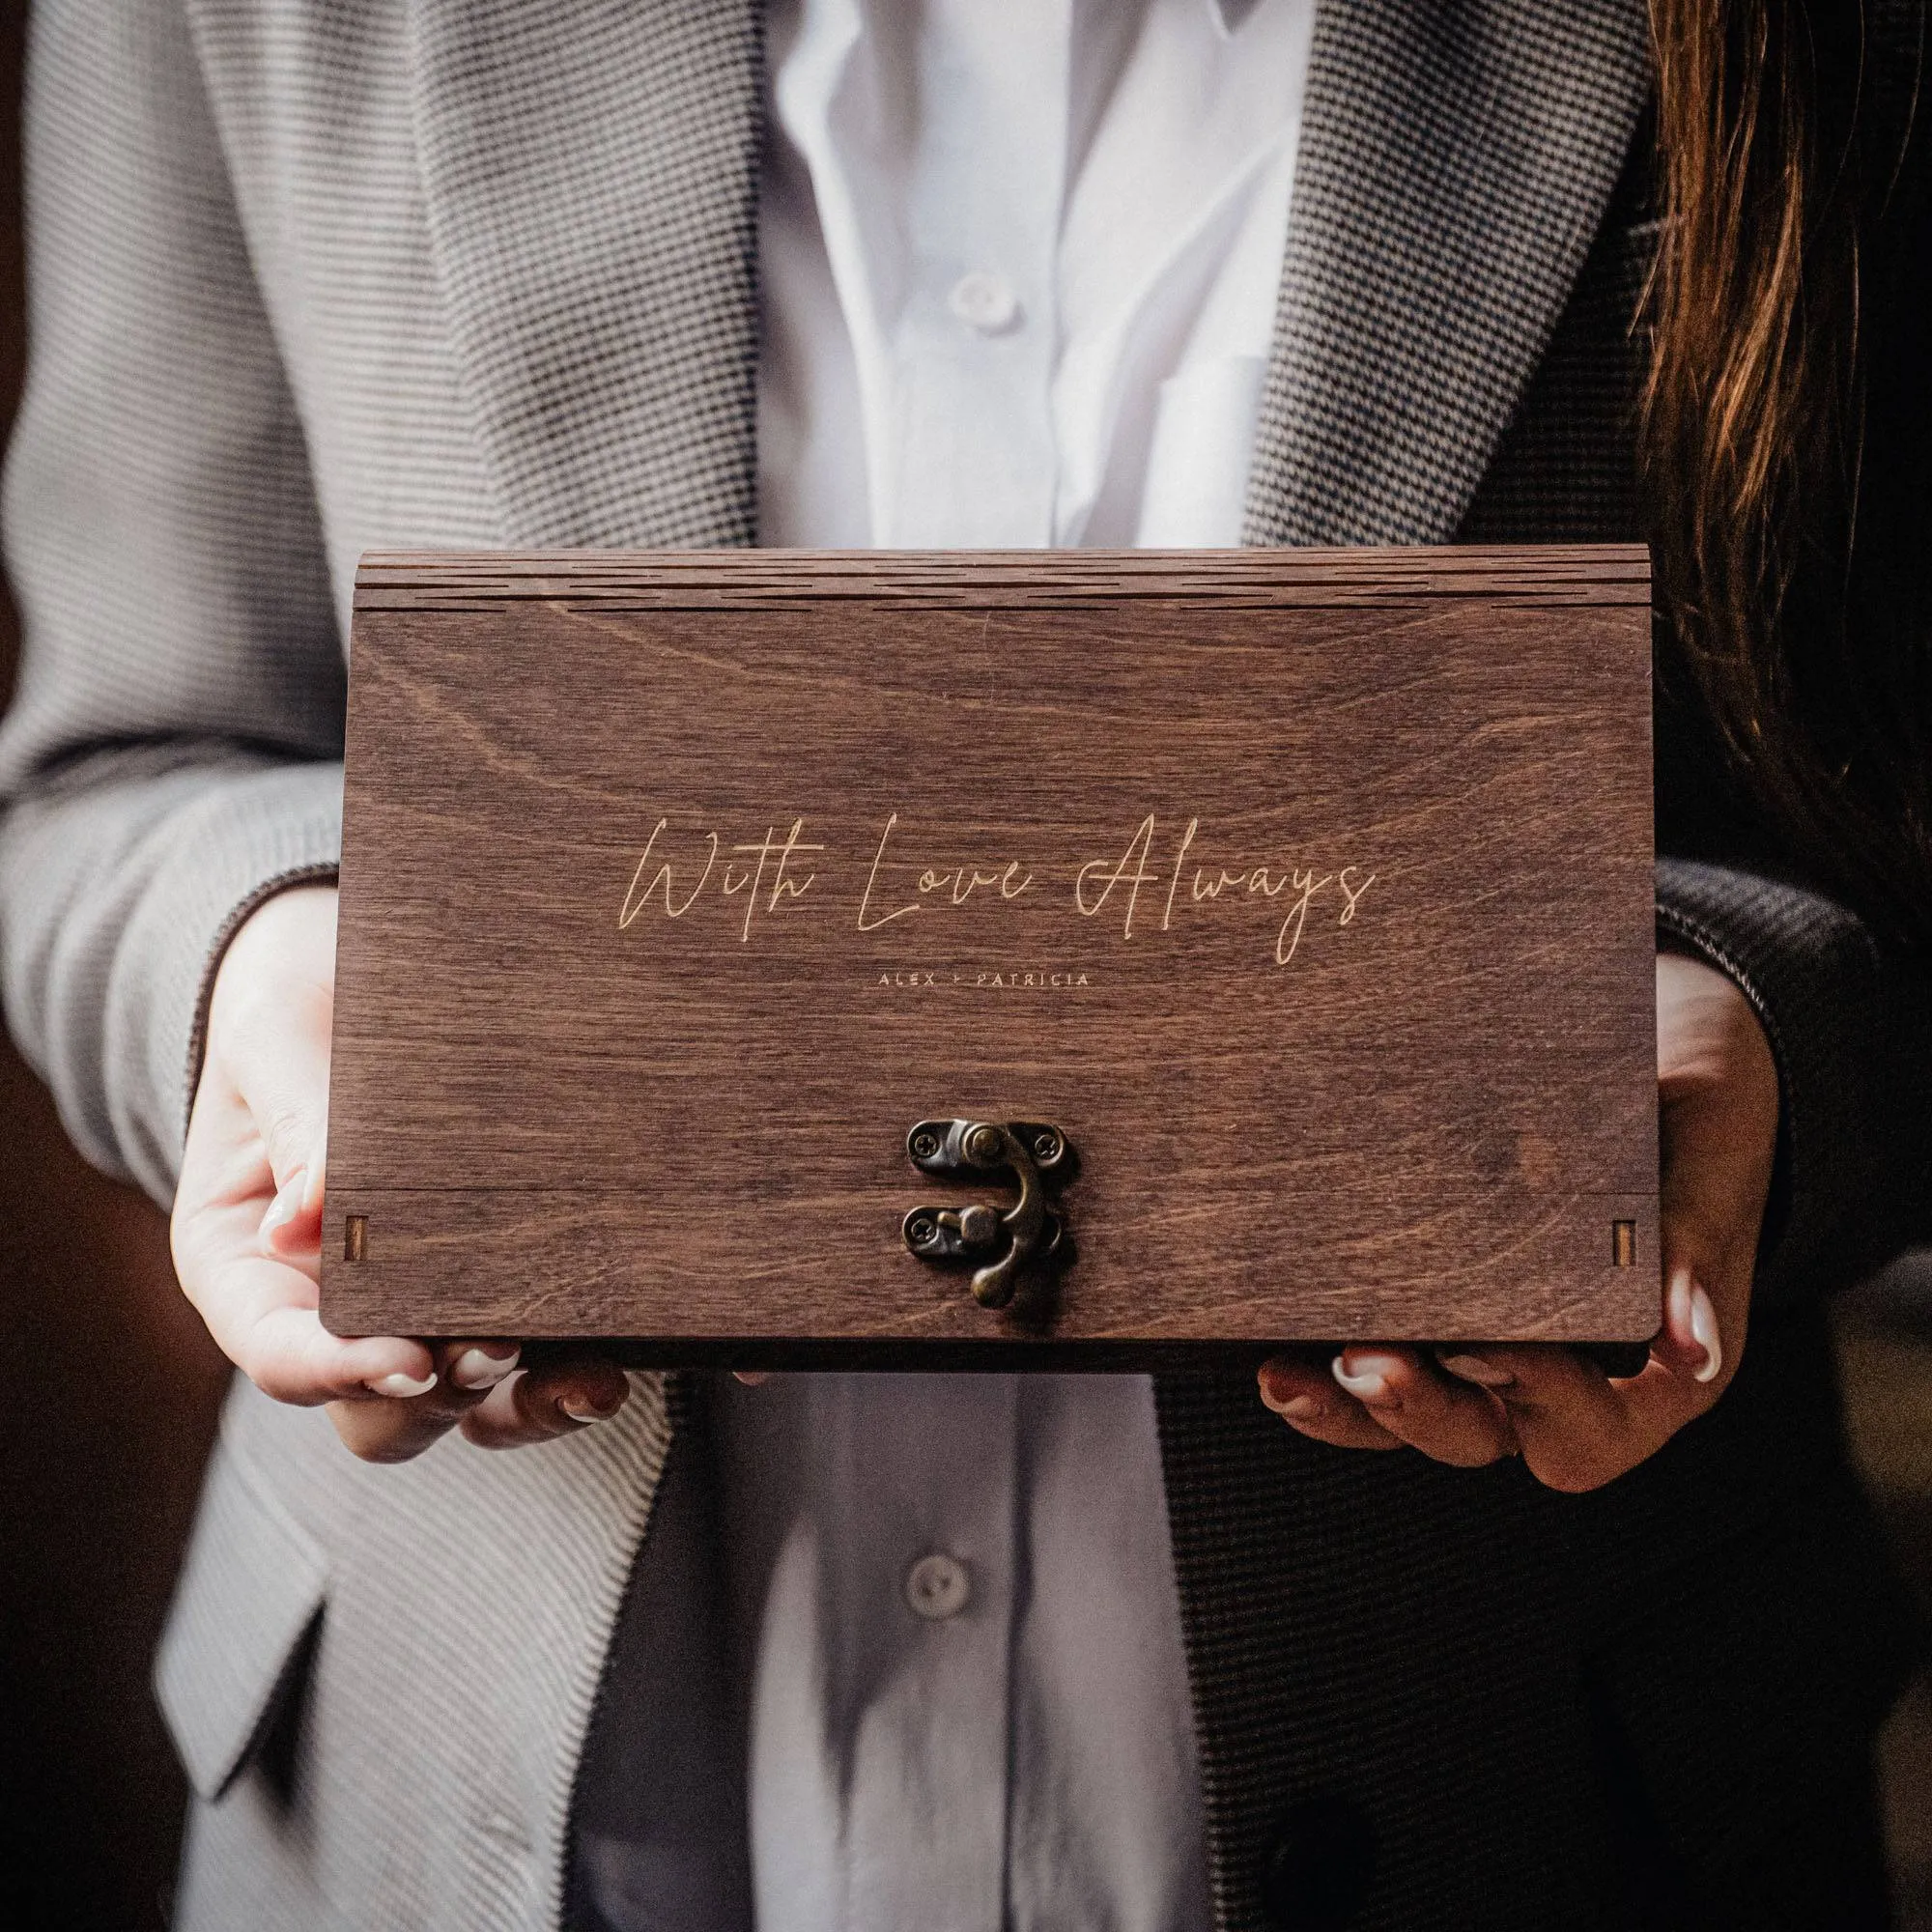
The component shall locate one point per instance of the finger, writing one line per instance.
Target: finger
(1452, 1421)
(261, 1310)
(524, 1409)
(480, 1366)
(1691, 1341)
(384, 1430)
(290, 1225)
(557, 1398)
(1710, 1237)
(228, 1168)
(1564, 1410)
(1304, 1394)
(278, 1060)
(288, 1355)
(392, 1431)
(1578, 1428)
(262, 1313)
(1718, 1089)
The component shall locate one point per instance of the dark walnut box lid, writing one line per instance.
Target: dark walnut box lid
(1306, 894)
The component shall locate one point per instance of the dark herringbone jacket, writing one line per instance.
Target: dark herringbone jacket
(309, 277)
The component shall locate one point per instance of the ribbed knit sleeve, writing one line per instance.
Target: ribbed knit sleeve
(173, 751)
(1850, 1023)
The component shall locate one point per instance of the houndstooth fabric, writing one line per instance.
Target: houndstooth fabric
(601, 288)
(311, 276)
(1420, 280)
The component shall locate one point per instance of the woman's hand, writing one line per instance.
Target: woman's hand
(248, 1224)
(1576, 1427)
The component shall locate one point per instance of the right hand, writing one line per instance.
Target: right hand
(248, 1224)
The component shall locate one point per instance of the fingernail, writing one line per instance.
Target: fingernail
(1704, 1332)
(1473, 1368)
(580, 1409)
(1369, 1384)
(399, 1386)
(1301, 1408)
(286, 1204)
(1677, 1304)
(1272, 1384)
(478, 1368)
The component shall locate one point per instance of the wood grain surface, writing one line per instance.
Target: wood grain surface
(1308, 892)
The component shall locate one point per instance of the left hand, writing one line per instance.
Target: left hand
(247, 1225)
(1578, 1429)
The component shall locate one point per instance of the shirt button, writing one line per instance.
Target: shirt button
(984, 302)
(937, 1586)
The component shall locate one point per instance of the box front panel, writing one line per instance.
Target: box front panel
(1324, 932)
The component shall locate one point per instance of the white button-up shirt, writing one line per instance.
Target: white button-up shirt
(1019, 266)
(1019, 270)
(953, 1619)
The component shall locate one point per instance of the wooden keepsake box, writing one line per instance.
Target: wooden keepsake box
(974, 959)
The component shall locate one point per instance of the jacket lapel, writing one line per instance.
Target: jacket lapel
(1454, 163)
(590, 169)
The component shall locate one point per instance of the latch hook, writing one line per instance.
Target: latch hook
(1030, 1231)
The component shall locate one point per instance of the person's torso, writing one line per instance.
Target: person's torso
(510, 264)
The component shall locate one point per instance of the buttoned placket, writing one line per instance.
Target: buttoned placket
(975, 461)
(956, 330)
(881, 1664)
(949, 199)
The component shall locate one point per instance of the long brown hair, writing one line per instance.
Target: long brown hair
(1783, 147)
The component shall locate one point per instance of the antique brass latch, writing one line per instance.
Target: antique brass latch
(1030, 1231)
